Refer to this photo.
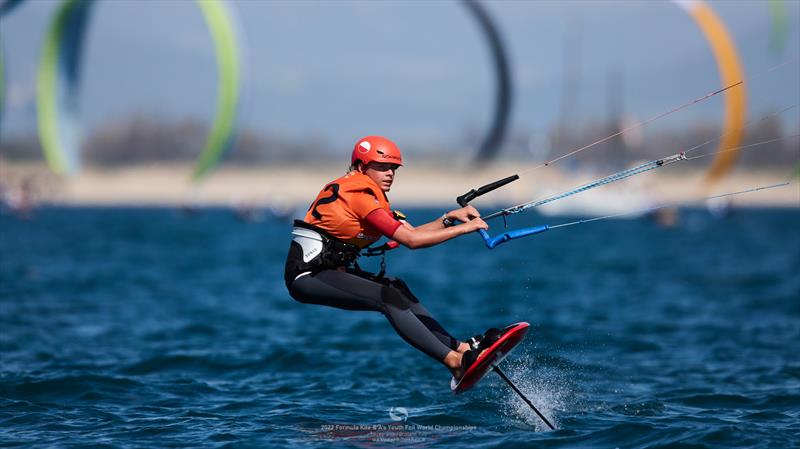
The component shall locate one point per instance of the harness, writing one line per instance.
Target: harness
(313, 250)
(322, 250)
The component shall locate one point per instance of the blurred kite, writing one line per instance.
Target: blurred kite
(2, 82)
(779, 34)
(731, 72)
(58, 82)
(5, 7)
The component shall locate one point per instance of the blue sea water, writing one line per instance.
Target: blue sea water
(146, 328)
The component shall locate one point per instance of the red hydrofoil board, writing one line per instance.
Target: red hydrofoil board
(512, 336)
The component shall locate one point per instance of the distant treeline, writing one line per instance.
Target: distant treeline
(146, 140)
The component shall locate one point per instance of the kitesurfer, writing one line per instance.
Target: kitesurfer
(353, 212)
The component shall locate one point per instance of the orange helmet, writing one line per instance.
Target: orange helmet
(376, 149)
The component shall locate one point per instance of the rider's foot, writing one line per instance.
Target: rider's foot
(468, 352)
(453, 362)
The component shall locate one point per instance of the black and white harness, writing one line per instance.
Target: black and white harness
(313, 249)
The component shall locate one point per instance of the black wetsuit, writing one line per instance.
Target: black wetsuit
(359, 290)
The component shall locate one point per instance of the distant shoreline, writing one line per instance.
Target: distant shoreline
(293, 186)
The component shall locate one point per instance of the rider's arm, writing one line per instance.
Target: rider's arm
(463, 215)
(422, 236)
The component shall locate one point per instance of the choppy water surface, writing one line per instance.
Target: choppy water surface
(145, 328)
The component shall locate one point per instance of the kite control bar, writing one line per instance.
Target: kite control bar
(492, 242)
(464, 199)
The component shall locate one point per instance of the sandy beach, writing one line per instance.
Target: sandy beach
(427, 185)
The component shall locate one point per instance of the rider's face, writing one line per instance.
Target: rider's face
(382, 173)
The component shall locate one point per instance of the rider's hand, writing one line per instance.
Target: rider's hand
(464, 214)
(474, 225)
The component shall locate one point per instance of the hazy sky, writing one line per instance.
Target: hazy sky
(417, 71)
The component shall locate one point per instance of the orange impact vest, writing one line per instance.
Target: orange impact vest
(342, 206)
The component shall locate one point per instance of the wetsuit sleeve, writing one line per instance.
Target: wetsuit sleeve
(384, 222)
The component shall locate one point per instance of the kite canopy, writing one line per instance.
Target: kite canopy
(493, 141)
(779, 34)
(226, 46)
(731, 72)
(2, 82)
(58, 83)
(5, 7)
